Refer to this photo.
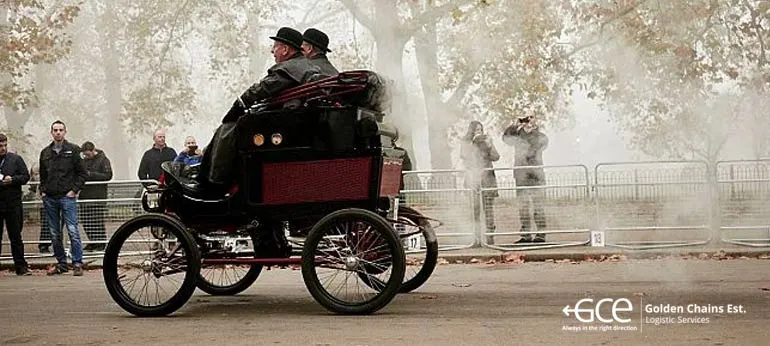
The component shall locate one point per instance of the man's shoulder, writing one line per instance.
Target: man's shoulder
(293, 64)
(71, 146)
(13, 157)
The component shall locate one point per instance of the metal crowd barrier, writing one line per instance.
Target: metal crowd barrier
(643, 206)
(442, 194)
(451, 207)
(629, 205)
(123, 202)
(744, 202)
(562, 204)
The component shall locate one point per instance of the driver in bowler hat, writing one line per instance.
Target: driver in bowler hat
(291, 69)
(315, 45)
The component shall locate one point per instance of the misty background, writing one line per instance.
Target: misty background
(610, 80)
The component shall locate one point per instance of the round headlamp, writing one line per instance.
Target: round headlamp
(258, 139)
(277, 138)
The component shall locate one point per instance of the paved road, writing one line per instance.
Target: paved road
(480, 304)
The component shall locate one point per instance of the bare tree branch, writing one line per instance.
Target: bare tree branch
(621, 14)
(432, 15)
(322, 18)
(713, 4)
(359, 14)
(171, 34)
(463, 85)
(756, 27)
(601, 34)
(312, 8)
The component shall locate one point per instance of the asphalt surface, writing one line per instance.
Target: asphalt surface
(462, 304)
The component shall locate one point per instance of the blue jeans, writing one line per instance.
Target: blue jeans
(68, 207)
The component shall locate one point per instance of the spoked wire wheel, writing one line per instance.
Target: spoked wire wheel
(229, 279)
(417, 237)
(150, 265)
(421, 238)
(346, 253)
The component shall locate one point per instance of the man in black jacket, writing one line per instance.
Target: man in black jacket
(149, 167)
(291, 70)
(98, 169)
(62, 176)
(315, 47)
(13, 174)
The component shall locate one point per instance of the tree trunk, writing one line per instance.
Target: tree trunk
(114, 145)
(390, 43)
(256, 56)
(426, 50)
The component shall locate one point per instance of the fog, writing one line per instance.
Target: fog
(181, 68)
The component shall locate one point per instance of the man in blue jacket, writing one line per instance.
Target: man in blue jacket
(191, 155)
(13, 174)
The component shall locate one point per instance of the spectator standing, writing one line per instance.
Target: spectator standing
(191, 155)
(98, 169)
(149, 167)
(62, 176)
(44, 242)
(478, 152)
(13, 174)
(529, 143)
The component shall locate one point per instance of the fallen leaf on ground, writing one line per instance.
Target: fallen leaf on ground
(492, 261)
(461, 285)
(513, 257)
(428, 297)
(474, 260)
(442, 261)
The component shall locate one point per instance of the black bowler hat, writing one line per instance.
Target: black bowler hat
(317, 38)
(289, 36)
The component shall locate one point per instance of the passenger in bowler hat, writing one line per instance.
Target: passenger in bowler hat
(315, 47)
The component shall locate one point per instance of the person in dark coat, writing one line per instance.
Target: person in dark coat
(315, 45)
(13, 174)
(62, 176)
(149, 166)
(478, 152)
(529, 143)
(98, 169)
(291, 69)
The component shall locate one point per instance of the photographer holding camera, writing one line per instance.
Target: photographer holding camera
(529, 143)
(478, 153)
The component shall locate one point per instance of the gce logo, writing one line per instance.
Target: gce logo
(620, 305)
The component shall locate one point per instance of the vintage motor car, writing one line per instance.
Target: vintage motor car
(319, 172)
